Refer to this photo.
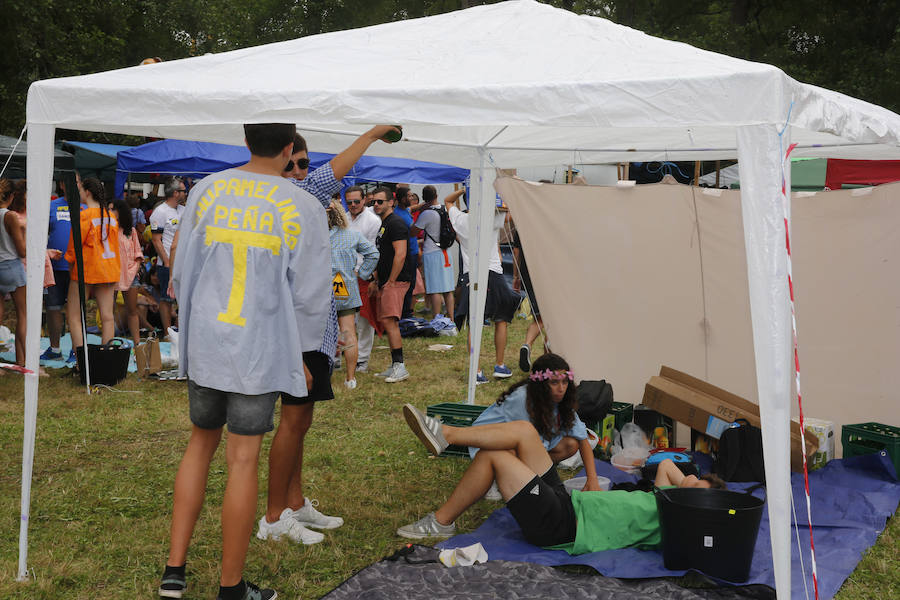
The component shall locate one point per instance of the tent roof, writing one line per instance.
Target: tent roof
(62, 160)
(95, 159)
(532, 84)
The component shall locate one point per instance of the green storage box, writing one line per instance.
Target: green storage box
(457, 414)
(866, 438)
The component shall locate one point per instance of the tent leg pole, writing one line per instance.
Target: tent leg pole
(481, 245)
(40, 181)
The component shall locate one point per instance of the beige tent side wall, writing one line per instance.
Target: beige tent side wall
(629, 279)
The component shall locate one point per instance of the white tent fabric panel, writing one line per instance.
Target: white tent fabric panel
(627, 282)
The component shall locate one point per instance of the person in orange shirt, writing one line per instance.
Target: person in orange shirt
(100, 249)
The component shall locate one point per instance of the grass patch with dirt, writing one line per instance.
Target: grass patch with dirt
(105, 465)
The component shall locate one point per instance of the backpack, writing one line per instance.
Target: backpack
(594, 400)
(740, 456)
(447, 234)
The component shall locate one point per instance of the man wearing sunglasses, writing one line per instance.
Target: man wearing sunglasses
(289, 513)
(367, 223)
(392, 276)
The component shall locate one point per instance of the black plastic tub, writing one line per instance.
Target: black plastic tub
(713, 531)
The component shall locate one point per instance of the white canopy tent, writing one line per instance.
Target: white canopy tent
(508, 85)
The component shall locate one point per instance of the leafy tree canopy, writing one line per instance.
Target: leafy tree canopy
(853, 48)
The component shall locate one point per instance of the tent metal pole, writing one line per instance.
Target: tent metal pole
(39, 165)
(480, 246)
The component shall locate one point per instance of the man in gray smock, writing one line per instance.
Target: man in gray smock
(251, 264)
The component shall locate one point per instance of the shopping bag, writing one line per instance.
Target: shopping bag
(147, 355)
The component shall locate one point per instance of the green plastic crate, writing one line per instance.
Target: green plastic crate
(457, 414)
(866, 438)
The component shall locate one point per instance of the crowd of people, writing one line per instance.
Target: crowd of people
(262, 251)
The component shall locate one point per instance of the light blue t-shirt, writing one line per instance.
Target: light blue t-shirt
(252, 276)
(514, 409)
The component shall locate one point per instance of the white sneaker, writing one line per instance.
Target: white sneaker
(350, 384)
(493, 493)
(362, 367)
(287, 526)
(308, 516)
(398, 373)
(427, 527)
(428, 429)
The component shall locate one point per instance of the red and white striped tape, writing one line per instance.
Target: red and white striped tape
(787, 239)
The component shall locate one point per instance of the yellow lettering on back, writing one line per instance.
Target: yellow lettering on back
(220, 212)
(234, 215)
(271, 193)
(247, 187)
(234, 186)
(251, 215)
(241, 242)
(266, 221)
(219, 187)
(261, 189)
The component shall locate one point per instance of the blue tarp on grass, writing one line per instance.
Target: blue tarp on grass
(851, 502)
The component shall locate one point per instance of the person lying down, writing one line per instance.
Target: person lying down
(514, 455)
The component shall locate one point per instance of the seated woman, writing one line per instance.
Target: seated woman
(547, 400)
(514, 455)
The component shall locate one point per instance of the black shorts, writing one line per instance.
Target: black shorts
(544, 511)
(500, 304)
(320, 369)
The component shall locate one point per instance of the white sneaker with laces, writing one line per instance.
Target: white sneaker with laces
(428, 429)
(398, 373)
(427, 527)
(308, 516)
(287, 526)
(350, 384)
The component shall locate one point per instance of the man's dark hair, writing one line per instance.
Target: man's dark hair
(299, 143)
(268, 139)
(383, 189)
(400, 196)
(354, 188)
(429, 194)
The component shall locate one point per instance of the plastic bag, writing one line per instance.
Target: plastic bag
(633, 437)
(630, 449)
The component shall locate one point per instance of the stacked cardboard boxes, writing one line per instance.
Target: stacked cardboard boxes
(710, 409)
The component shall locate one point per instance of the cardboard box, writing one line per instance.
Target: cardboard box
(710, 409)
(824, 431)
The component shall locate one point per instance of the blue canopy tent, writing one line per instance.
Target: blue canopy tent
(93, 159)
(198, 159)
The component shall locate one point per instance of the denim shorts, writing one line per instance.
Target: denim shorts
(244, 415)
(12, 275)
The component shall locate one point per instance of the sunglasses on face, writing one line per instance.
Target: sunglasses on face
(354, 201)
(380, 201)
(302, 163)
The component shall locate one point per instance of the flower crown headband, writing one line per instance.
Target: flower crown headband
(547, 374)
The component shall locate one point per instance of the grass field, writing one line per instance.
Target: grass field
(105, 465)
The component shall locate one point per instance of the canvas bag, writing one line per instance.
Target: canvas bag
(148, 358)
(740, 456)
